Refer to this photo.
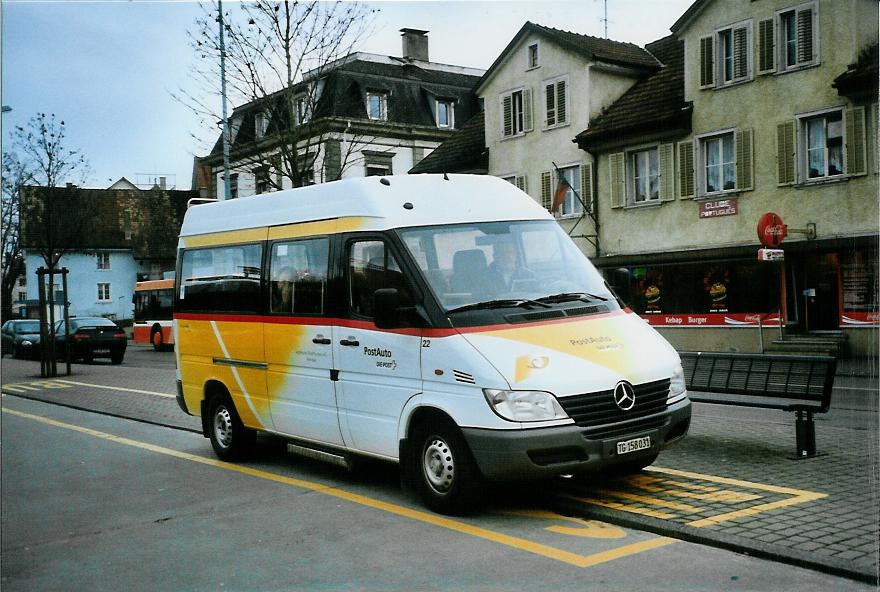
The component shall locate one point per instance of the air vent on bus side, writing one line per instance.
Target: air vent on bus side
(463, 377)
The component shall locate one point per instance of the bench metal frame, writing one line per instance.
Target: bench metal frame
(791, 383)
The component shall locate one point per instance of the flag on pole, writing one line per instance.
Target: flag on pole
(561, 190)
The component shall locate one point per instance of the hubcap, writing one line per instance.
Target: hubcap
(438, 465)
(223, 427)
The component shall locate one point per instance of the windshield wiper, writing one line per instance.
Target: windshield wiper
(570, 296)
(508, 303)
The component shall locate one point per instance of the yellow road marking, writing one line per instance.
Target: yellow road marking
(117, 388)
(19, 388)
(433, 519)
(811, 495)
(621, 506)
(644, 499)
(792, 501)
(585, 528)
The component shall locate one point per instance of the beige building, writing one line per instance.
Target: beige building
(545, 87)
(773, 108)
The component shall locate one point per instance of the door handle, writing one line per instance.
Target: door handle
(349, 342)
(321, 341)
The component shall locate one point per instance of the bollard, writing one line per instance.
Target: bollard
(805, 432)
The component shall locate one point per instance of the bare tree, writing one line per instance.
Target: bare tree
(277, 55)
(15, 175)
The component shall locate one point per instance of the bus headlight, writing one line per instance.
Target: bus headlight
(524, 405)
(677, 388)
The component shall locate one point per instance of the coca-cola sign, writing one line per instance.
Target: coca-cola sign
(771, 230)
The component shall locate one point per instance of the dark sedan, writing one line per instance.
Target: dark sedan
(90, 338)
(21, 338)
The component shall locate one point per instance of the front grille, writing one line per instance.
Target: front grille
(598, 409)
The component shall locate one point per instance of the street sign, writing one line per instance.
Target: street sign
(771, 230)
(771, 254)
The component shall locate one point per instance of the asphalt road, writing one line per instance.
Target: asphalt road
(93, 500)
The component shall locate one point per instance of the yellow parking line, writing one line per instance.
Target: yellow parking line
(808, 495)
(117, 388)
(621, 506)
(425, 517)
(644, 499)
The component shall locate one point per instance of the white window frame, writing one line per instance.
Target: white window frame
(554, 82)
(517, 122)
(803, 148)
(383, 105)
(261, 123)
(577, 207)
(450, 113)
(104, 292)
(720, 53)
(536, 63)
(700, 163)
(103, 260)
(632, 185)
(781, 41)
(303, 110)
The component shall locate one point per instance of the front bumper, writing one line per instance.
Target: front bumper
(548, 452)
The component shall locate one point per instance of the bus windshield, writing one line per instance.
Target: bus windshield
(498, 262)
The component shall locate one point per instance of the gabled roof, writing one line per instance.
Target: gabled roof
(654, 103)
(145, 221)
(590, 48)
(689, 14)
(465, 151)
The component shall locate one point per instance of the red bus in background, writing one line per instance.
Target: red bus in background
(153, 311)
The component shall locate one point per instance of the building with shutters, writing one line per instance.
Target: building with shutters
(543, 88)
(362, 115)
(766, 106)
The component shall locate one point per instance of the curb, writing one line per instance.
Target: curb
(702, 536)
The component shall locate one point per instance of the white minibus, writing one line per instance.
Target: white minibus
(445, 323)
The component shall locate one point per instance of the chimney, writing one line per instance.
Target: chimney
(415, 44)
(162, 182)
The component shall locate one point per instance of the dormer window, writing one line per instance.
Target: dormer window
(532, 56)
(303, 109)
(445, 112)
(377, 106)
(261, 124)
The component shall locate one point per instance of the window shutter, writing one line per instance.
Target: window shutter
(550, 91)
(666, 156)
(745, 171)
(740, 52)
(854, 128)
(805, 35)
(527, 109)
(546, 190)
(686, 169)
(707, 62)
(521, 183)
(587, 185)
(560, 101)
(766, 42)
(616, 164)
(876, 137)
(507, 116)
(785, 157)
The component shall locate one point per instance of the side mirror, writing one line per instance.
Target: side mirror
(386, 308)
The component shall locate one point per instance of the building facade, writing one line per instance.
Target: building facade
(363, 115)
(111, 238)
(545, 87)
(778, 114)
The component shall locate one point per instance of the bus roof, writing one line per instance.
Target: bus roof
(153, 285)
(381, 202)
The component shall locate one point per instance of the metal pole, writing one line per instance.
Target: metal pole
(226, 186)
(44, 333)
(53, 364)
(64, 271)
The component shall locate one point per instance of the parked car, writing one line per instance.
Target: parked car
(90, 338)
(21, 338)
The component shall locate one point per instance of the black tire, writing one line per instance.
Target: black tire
(15, 353)
(229, 438)
(157, 338)
(443, 469)
(117, 358)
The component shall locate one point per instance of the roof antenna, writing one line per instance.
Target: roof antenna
(445, 176)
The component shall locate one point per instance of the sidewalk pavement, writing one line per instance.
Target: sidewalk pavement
(730, 483)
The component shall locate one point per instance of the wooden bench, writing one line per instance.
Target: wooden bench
(791, 383)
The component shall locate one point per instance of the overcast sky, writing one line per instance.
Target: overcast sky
(108, 68)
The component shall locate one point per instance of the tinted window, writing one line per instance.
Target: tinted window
(225, 279)
(27, 327)
(298, 281)
(153, 305)
(371, 267)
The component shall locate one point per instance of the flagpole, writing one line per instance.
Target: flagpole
(584, 211)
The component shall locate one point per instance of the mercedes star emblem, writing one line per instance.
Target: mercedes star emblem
(624, 396)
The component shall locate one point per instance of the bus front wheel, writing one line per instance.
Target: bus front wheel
(446, 476)
(229, 438)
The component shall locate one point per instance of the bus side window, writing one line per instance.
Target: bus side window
(371, 267)
(298, 276)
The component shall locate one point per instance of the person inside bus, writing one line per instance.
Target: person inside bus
(505, 274)
(282, 290)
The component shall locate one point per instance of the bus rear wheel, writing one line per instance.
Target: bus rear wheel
(229, 438)
(157, 339)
